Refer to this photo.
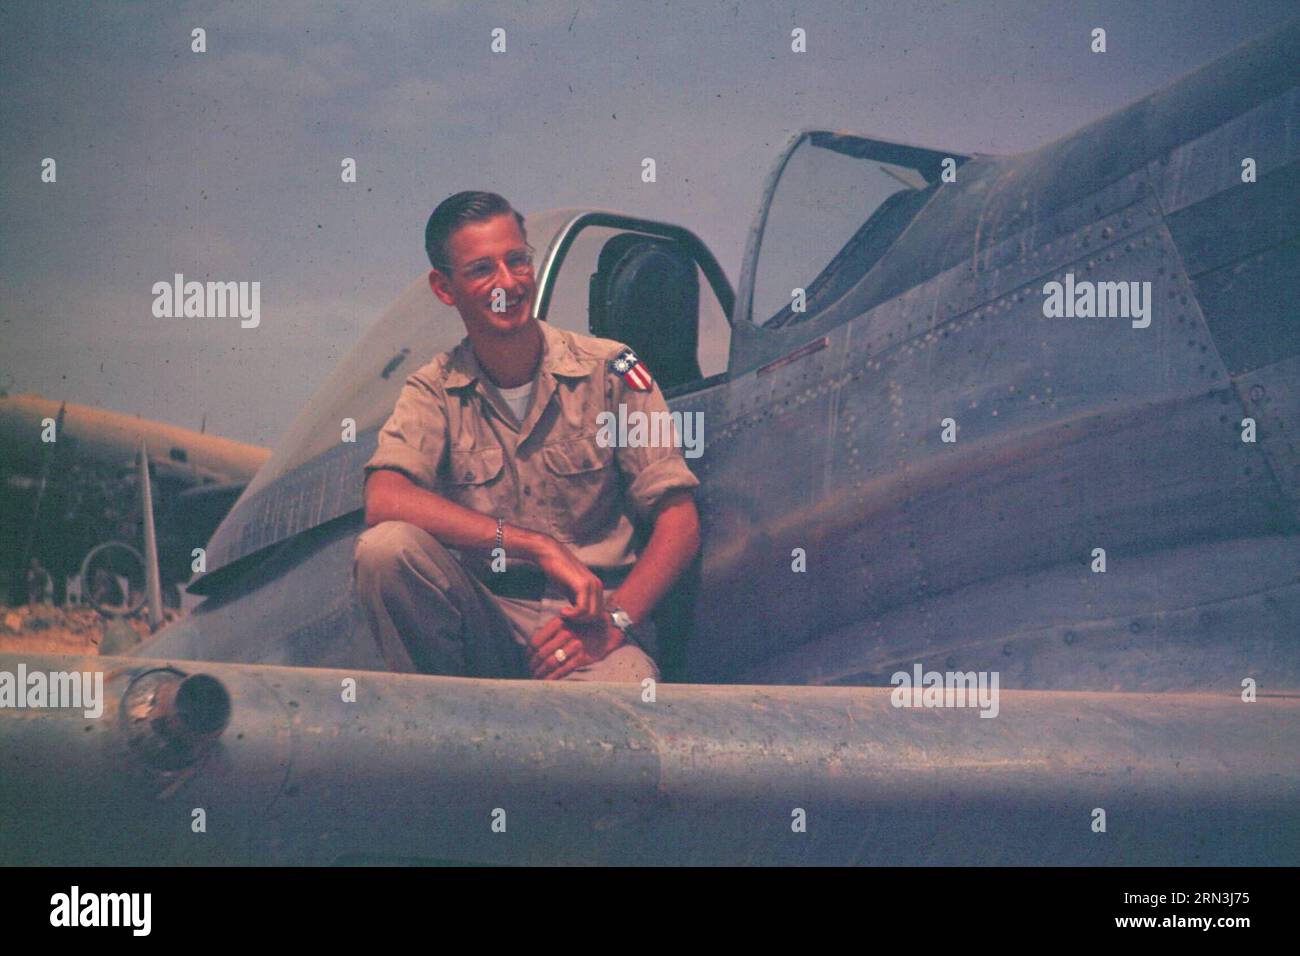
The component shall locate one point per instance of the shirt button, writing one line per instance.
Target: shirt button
(527, 490)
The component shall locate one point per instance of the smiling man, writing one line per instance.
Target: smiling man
(503, 536)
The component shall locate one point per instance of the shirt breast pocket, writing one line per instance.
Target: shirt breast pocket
(584, 491)
(473, 477)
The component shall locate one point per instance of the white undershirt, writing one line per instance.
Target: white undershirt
(518, 398)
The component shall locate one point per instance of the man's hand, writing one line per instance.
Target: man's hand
(580, 644)
(585, 589)
(392, 496)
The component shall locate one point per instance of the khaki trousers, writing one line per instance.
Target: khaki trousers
(429, 615)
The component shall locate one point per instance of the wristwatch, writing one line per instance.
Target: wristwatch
(623, 621)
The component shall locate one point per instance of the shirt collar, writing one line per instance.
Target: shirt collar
(559, 357)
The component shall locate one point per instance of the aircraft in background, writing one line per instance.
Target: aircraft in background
(65, 498)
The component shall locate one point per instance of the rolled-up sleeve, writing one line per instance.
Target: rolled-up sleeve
(414, 438)
(650, 471)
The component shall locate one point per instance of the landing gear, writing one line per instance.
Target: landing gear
(112, 579)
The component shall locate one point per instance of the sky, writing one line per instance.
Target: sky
(225, 165)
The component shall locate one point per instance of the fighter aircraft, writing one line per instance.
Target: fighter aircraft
(1029, 415)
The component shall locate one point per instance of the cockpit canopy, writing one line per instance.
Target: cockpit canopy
(836, 206)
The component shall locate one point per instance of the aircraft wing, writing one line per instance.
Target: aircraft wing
(103, 436)
(296, 765)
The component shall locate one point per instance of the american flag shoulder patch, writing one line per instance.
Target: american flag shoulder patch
(630, 368)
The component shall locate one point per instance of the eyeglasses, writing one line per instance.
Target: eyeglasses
(518, 261)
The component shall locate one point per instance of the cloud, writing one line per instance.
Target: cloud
(415, 104)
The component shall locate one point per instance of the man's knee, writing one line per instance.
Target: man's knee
(386, 550)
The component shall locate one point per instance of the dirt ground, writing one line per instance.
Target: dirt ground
(46, 629)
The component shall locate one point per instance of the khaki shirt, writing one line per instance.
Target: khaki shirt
(452, 433)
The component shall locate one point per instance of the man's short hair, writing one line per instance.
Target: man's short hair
(453, 212)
